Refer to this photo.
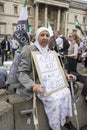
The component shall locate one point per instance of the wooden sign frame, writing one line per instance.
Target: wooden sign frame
(50, 68)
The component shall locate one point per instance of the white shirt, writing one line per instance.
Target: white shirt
(59, 42)
(15, 44)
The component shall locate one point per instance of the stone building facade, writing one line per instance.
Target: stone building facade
(61, 13)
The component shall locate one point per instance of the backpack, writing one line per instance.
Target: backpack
(65, 45)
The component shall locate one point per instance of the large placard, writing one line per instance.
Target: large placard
(50, 72)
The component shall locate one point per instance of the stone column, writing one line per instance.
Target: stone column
(58, 19)
(66, 26)
(36, 16)
(46, 10)
(63, 22)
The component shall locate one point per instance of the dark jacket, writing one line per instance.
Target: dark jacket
(3, 45)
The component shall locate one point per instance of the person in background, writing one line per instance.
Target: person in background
(9, 52)
(62, 46)
(72, 62)
(14, 46)
(72, 52)
(58, 105)
(59, 40)
(5, 47)
(52, 43)
(84, 58)
(80, 50)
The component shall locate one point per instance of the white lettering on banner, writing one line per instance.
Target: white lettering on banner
(22, 39)
(47, 63)
(50, 71)
(20, 27)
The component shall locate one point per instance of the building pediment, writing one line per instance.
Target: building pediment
(78, 5)
(64, 4)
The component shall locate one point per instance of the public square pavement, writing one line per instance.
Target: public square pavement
(9, 59)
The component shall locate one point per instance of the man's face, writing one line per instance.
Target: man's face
(44, 38)
(56, 35)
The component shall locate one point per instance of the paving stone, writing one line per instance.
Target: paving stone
(6, 116)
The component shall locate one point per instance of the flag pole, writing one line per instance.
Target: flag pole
(35, 114)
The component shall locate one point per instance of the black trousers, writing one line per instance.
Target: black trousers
(86, 63)
(71, 65)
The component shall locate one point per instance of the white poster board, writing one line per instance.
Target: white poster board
(50, 72)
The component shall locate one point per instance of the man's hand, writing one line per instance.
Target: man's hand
(71, 76)
(37, 89)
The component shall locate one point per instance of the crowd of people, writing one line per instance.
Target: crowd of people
(8, 45)
(58, 105)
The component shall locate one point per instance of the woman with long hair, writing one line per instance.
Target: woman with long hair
(74, 41)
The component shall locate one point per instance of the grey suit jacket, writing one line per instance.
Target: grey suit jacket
(24, 72)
